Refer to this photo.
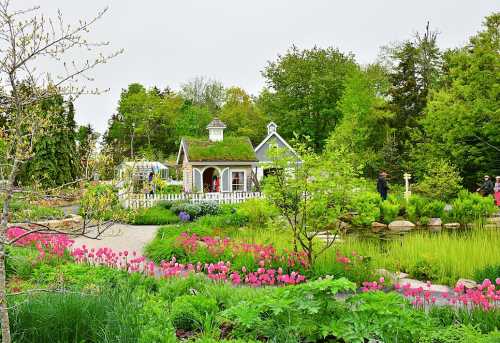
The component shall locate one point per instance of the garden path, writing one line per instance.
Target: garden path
(121, 237)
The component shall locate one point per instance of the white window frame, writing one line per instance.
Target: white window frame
(244, 178)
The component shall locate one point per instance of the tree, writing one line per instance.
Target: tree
(54, 161)
(311, 193)
(440, 180)
(25, 39)
(204, 92)
(416, 66)
(303, 88)
(242, 116)
(86, 144)
(364, 126)
(462, 120)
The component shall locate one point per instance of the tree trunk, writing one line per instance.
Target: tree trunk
(4, 312)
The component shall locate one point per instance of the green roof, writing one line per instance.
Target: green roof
(229, 149)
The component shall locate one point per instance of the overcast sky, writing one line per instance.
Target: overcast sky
(169, 42)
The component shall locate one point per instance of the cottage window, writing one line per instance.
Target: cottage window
(238, 181)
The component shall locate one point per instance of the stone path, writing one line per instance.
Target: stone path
(121, 237)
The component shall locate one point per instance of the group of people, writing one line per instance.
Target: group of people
(487, 188)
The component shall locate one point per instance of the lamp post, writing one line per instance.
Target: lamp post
(407, 178)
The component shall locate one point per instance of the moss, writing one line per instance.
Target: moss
(229, 149)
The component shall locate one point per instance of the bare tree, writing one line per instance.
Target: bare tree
(28, 40)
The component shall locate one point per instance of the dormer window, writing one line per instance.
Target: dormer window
(271, 128)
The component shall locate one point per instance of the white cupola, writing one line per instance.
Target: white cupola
(271, 127)
(216, 130)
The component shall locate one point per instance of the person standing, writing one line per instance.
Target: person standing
(382, 185)
(486, 188)
(496, 189)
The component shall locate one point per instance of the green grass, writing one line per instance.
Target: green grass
(446, 256)
(156, 215)
(229, 149)
(21, 211)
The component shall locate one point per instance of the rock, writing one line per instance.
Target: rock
(452, 226)
(401, 225)
(343, 226)
(377, 227)
(435, 222)
(467, 283)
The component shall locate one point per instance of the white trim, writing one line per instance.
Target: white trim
(180, 149)
(278, 137)
(215, 167)
(244, 179)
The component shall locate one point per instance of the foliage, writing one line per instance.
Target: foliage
(258, 212)
(99, 202)
(490, 272)
(155, 215)
(22, 211)
(471, 207)
(311, 193)
(197, 210)
(229, 149)
(440, 181)
(421, 209)
(390, 209)
(440, 254)
(74, 317)
(367, 207)
(304, 87)
(55, 158)
(169, 189)
(190, 312)
(462, 114)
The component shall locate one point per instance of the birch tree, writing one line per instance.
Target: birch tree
(28, 40)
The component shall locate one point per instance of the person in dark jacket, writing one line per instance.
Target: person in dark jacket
(382, 186)
(487, 187)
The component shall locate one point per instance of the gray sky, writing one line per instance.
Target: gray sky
(169, 42)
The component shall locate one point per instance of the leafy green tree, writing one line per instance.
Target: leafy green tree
(311, 194)
(304, 87)
(54, 159)
(365, 118)
(463, 115)
(242, 116)
(440, 180)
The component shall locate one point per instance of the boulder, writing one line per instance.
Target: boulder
(452, 226)
(467, 283)
(401, 225)
(435, 222)
(377, 227)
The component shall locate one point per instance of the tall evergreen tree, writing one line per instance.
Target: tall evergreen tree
(55, 159)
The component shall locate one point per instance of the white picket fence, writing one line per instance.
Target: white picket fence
(130, 200)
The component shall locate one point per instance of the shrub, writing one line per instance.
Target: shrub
(471, 207)
(491, 272)
(209, 208)
(155, 215)
(190, 312)
(74, 317)
(99, 202)
(258, 212)
(22, 211)
(390, 209)
(169, 189)
(441, 181)
(367, 206)
(424, 270)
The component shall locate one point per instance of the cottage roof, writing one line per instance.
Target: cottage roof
(216, 123)
(231, 149)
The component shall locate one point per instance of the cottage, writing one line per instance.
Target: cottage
(273, 140)
(216, 164)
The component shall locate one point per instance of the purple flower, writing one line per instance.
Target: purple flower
(184, 217)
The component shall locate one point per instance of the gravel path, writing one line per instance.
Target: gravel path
(122, 237)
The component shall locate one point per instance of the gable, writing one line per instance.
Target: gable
(273, 139)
